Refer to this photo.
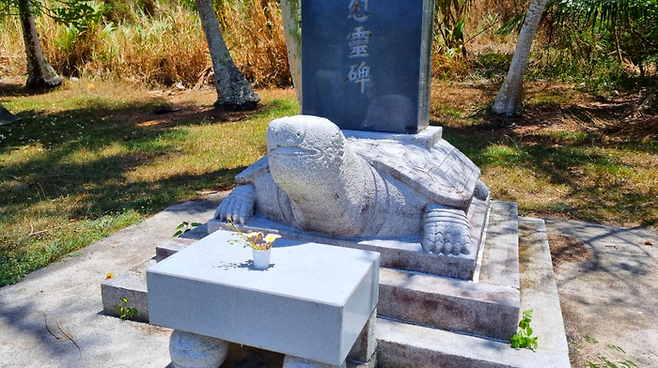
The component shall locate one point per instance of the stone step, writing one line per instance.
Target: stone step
(486, 308)
(428, 298)
(479, 309)
(130, 285)
(406, 345)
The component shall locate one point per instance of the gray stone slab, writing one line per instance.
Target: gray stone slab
(405, 253)
(409, 346)
(171, 247)
(500, 263)
(538, 285)
(131, 286)
(367, 64)
(406, 345)
(426, 138)
(210, 289)
(479, 309)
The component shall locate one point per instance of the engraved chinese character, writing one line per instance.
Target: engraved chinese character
(360, 74)
(358, 10)
(358, 41)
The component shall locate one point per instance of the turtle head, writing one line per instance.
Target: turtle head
(312, 162)
(305, 153)
(303, 140)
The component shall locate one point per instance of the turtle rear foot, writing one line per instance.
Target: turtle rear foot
(446, 230)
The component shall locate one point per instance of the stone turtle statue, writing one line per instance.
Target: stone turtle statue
(317, 180)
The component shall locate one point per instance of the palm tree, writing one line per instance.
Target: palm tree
(234, 93)
(509, 100)
(630, 26)
(39, 72)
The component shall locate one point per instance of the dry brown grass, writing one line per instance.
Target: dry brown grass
(165, 44)
(569, 156)
(165, 47)
(254, 30)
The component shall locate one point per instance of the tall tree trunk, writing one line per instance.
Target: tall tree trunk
(292, 30)
(509, 100)
(234, 93)
(6, 117)
(39, 72)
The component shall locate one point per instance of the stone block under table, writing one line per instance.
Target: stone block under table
(312, 302)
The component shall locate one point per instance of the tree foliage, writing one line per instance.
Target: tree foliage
(74, 12)
(449, 22)
(628, 27)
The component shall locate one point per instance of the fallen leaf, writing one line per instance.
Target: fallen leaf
(648, 243)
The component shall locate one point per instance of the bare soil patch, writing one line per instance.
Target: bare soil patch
(567, 249)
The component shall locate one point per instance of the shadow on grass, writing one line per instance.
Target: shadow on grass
(63, 171)
(18, 88)
(604, 185)
(136, 134)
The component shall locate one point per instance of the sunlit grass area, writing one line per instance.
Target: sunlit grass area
(93, 157)
(559, 159)
(85, 162)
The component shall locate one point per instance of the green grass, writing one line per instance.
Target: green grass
(572, 174)
(86, 162)
(83, 165)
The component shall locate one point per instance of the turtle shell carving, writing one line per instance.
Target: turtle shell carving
(316, 179)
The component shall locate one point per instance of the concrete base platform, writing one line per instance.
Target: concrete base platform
(486, 308)
(406, 345)
(399, 253)
(491, 306)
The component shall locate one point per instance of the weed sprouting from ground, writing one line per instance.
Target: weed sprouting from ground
(523, 339)
(126, 312)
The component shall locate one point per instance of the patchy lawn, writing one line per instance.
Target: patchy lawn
(572, 154)
(93, 157)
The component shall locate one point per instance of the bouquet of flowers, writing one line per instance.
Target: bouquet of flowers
(256, 239)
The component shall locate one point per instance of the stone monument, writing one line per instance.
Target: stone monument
(361, 167)
(366, 64)
(316, 180)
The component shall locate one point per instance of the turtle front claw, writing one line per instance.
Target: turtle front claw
(238, 206)
(446, 230)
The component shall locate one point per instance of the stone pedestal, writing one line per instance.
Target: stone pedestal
(312, 302)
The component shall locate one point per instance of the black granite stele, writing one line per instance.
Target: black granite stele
(366, 64)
